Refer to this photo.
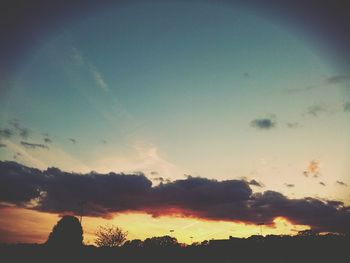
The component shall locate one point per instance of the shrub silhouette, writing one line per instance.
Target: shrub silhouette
(67, 233)
(110, 236)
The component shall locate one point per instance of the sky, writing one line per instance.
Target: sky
(190, 99)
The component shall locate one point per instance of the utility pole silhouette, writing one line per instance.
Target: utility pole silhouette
(261, 225)
(81, 204)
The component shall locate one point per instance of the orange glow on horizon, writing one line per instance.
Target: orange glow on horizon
(22, 225)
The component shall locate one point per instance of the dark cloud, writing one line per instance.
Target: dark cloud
(289, 185)
(74, 141)
(104, 141)
(2, 145)
(341, 183)
(263, 124)
(293, 125)
(19, 184)
(335, 203)
(255, 183)
(56, 191)
(154, 173)
(6, 133)
(346, 106)
(34, 145)
(322, 183)
(316, 110)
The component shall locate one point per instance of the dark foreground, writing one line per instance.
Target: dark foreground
(269, 249)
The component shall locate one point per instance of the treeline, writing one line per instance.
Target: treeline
(311, 249)
(65, 244)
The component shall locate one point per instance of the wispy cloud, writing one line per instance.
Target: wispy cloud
(316, 110)
(289, 185)
(293, 125)
(16, 155)
(47, 140)
(6, 133)
(94, 71)
(336, 79)
(22, 131)
(98, 77)
(34, 145)
(341, 183)
(346, 106)
(312, 169)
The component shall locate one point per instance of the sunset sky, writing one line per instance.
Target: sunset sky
(206, 119)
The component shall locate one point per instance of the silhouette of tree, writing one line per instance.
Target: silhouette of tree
(164, 241)
(205, 243)
(135, 243)
(307, 233)
(110, 236)
(67, 233)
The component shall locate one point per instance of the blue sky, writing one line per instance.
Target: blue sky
(174, 88)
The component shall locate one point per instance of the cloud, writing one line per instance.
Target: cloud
(98, 77)
(19, 184)
(338, 79)
(22, 131)
(104, 195)
(346, 106)
(74, 141)
(289, 185)
(93, 70)
(341, 183)
(2, 145)
(34, 145)
(255, 183)
(47, 140)
(312, 169)
(6, 133)
(161, 179)
(16, 155)
(316, 110)
(293, 125)
(263, 123)
(322, 183)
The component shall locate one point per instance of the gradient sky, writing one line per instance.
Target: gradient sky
(175, 89)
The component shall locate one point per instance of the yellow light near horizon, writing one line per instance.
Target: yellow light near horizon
(28, 226)
(142, 226)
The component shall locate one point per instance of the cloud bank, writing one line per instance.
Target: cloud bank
(104, 195)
